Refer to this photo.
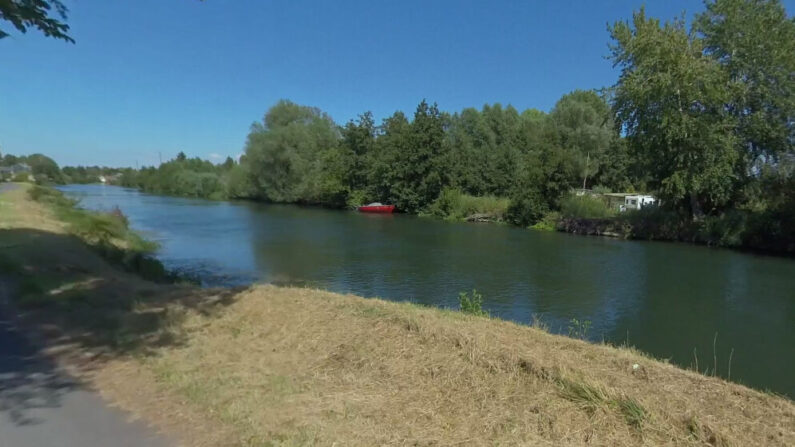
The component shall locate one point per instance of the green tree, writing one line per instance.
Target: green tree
(584, 123)
(419, 166)
(754, 41)
(670, 101)
(46, 15)
(285, 153)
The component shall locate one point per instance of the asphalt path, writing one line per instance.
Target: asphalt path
(42, 406)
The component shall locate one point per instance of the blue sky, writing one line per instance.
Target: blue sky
(150, 77)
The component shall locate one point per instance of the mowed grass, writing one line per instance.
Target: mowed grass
(292, 366)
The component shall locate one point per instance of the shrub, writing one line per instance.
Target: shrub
(548, 223)
(585, 207)
(526, 207)
(452, 204)
(472, 305)
(356, 199)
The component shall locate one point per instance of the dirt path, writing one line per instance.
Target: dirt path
(41, 405)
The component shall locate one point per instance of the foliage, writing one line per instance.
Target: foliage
(527, 207)
(182, 176)
(579, 329)
(46, 15)
(284, 153)
(42, 167)
(585, 207)
(472, 305)
(548, 223)
(754, 42)
(452, 204)
(89, 174)
(670, 100)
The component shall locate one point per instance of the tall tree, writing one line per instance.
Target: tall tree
(284, 153)
(754, 41)
(670, 101)
(583, 121)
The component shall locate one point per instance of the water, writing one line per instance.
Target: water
(666, 299)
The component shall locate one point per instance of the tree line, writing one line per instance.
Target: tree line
(701, 116)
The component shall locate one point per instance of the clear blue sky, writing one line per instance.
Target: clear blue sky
(151, 76)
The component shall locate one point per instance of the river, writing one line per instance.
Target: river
(667, 299)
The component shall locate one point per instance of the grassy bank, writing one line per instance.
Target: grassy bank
(289, 366)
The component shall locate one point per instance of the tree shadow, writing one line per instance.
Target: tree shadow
(58, 293)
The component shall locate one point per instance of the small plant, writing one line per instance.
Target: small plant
(579, 329)
(472, 305)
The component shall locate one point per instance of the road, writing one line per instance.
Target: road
(42, 406)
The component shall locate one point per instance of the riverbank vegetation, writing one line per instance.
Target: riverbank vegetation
(292, 366)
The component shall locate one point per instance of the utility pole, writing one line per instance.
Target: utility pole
(160, 155)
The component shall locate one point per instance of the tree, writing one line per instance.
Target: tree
(670, 101)
(46, 15)
(584, 124)
(419, 161)
(285, 153)
(754, 41)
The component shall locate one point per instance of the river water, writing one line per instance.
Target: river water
(667, 299)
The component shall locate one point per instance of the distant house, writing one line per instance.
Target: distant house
(636, 202)
(15, 169)
(7, 172)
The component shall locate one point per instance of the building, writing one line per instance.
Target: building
(8, 172)
(637, 201)
(629, 201)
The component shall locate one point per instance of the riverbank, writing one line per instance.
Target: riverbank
(292, 366)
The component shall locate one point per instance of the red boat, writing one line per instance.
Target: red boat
(377, 208)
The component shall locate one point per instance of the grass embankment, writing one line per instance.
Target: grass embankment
(290, 366)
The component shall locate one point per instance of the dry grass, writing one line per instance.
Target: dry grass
(305, 366)
(291, 366)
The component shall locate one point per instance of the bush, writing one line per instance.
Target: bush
(356, 199)
(20, 177)
(526, 208)
(548, 223)
(472, 305)
(452, 204)
(585, 207)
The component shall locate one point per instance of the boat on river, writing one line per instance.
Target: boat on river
(376, 207)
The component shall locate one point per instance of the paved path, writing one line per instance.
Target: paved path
(8, 186)
(41, 406)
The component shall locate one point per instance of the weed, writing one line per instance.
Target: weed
(579, 329)
(472, 305)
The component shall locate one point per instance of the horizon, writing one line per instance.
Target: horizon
(120, 97)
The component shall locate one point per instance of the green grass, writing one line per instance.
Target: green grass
(452, 204)
(109, 234)
(585, 207)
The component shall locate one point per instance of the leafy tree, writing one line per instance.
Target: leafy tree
(46, 15)
(419, 170)
(754, 41)
(670, 100)
(284, 153)
(584, 123)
